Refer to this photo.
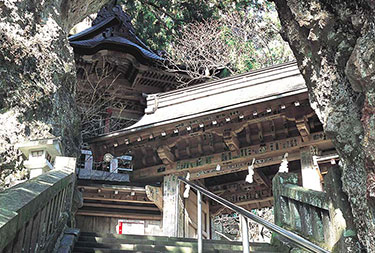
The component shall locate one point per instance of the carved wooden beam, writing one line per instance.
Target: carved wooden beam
(266, 201)
(233, 167)
(236, 186)
(300, 115)
(119, 215)
(244, 197)
(263, 178)
(121, 148)
(266, 154)
(239, 126)
(117, 197)
(122, 206)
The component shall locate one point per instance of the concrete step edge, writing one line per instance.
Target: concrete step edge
(101, 250)
(146, 246)
(165, 242)
(162, 238)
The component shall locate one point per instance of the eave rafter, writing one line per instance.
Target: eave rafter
(300, 114)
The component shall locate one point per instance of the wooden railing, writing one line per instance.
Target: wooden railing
(34, 213)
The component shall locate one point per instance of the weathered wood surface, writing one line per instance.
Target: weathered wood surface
(108, 225)
(124, 206)
(123, 215)
(213, 98)
(250, 88)
(191, 217)
(118, 201)
(265, 154)
(171, 205)
(155, 194)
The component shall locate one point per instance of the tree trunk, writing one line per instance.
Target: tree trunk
(333, 42)
(37, 75)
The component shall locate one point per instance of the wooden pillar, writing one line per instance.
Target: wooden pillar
(170, 206)
(311, 178)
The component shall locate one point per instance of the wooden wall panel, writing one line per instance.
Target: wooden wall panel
(108, 225)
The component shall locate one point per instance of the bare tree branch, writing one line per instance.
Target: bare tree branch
(96, 97)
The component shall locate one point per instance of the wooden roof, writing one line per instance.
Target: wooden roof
(247, 110)
(112, 29)
(255, 87)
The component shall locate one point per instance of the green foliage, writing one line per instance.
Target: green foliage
(250, 28)
(156, 21)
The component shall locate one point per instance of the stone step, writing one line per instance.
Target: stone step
(139, 247)
(148, 237)
(215, 244)
(98, 250)
(103, 250)
(145, 246)
(101, 242)
(159, 238)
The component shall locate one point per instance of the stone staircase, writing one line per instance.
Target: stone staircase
(101, 243)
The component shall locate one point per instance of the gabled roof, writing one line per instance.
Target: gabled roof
(229, 93)
(112, 30)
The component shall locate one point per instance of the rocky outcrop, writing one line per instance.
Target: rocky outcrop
(333, 42)
(37, 75)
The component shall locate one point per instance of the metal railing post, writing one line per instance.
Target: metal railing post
(245, 234)
(199, 205)
(296, 239)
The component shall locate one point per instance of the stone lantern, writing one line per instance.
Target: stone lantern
(40, 154)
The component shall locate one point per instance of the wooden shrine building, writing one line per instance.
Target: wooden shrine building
(212, 132)
(116, 71)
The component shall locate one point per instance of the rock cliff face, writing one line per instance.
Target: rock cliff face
(37, 75)
(333, 42)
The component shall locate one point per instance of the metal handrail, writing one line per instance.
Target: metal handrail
(298, 240)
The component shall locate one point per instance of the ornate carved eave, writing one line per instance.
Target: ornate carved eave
(112, 29)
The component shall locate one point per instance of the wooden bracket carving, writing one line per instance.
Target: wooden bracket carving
(303, 128)
(260, 131)
(166, 155)
(232, 141)
(248, 134)
(262, 178)
(155, 195)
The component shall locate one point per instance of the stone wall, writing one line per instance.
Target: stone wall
(38, 76)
